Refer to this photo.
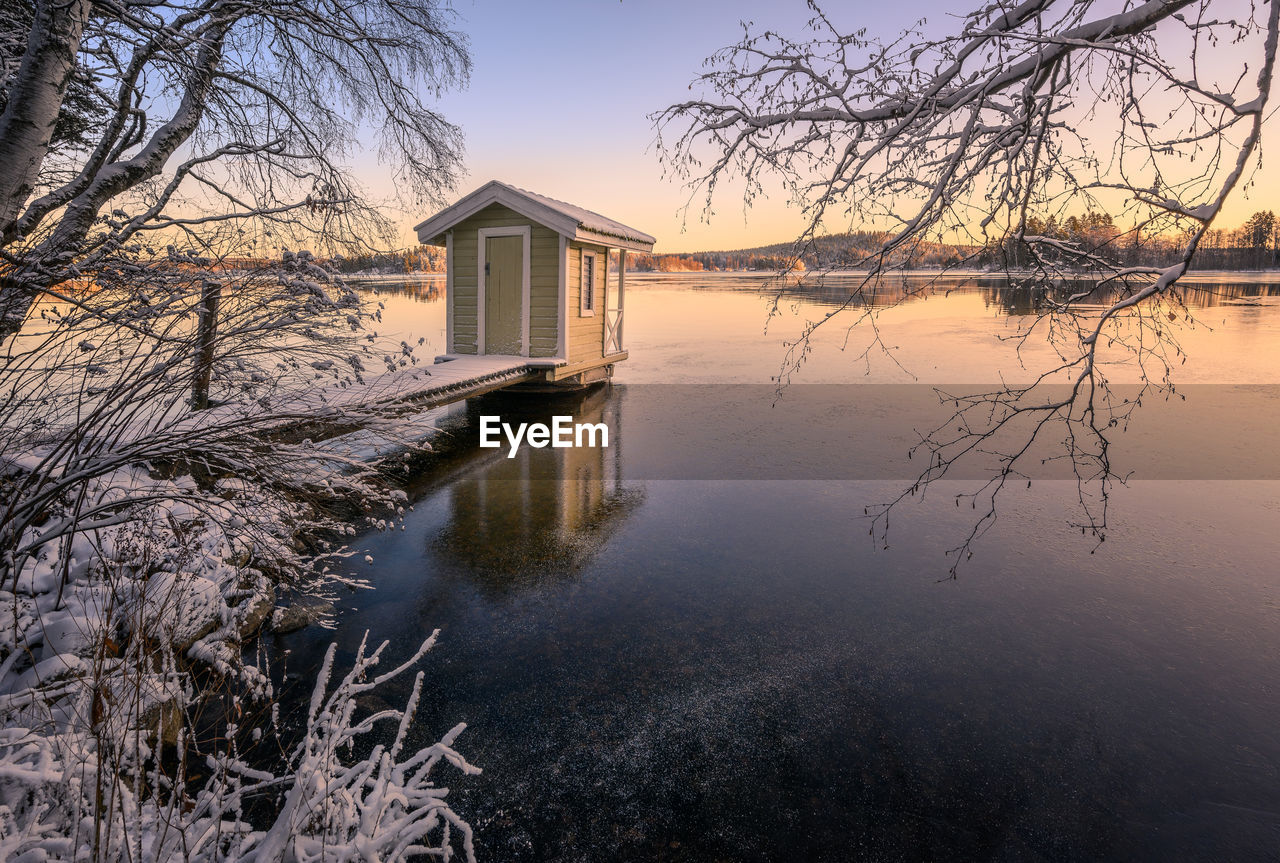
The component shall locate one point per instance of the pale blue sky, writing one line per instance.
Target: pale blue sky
(561, 92)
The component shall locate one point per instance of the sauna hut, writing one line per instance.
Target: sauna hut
(528, 276)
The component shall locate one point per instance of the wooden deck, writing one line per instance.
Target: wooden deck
(435, 386)
(396, 397)
(371, 419)
(334, 410)
(423, 387)
(464, 377)
(453, 378)
(412, 395)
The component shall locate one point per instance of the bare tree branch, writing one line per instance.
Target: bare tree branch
(981, 139)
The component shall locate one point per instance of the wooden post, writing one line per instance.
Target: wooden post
(206, 335)
(450, 299)
(563, 348)
(605, 332)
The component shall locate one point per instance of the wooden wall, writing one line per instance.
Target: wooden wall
(586, 334)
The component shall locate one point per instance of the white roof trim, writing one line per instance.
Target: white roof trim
(585, 236)
(567, 219)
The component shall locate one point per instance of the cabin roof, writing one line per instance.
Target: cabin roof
(575, 222)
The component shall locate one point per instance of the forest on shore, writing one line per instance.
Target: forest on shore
(1255, 245)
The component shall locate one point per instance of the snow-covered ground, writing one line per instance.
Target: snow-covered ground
(111, 636)
(144, 543)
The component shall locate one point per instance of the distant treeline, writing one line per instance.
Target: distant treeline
(834, 250)
(1254, 245)
(418, 259)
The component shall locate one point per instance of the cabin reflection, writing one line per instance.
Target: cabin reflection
(516, 522)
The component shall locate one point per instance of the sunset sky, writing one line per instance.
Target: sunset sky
(561, 92)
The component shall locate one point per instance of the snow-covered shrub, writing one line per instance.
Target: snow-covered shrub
(140, 541)
(69, 795)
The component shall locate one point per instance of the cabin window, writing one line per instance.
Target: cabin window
(588, 283)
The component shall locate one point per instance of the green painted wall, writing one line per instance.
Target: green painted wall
(586, 332)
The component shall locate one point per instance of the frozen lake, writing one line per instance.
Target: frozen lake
(687, 647)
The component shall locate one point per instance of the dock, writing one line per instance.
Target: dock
(394, 399)
(366, 420)
(421, 390)
(390, 400)
(454, 378)
(457, 378)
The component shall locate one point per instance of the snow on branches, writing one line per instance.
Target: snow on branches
(158, 480)
(76, 794)
(983, 139)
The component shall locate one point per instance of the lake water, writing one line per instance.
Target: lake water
(686, 646)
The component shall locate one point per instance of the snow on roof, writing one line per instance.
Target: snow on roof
(569, 219)
(589, 219)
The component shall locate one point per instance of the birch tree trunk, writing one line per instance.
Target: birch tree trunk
(35, 99)
(202, 124)
(26, 126)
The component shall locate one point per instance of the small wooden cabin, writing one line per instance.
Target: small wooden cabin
(528, 276)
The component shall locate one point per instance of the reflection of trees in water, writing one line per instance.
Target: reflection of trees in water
(846, 290)
(1014, 300)
(997, 291)
(421, 290)
(515, 522)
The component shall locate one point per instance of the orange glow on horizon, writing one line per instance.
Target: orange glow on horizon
(610, 165)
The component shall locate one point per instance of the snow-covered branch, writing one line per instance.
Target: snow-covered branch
(985, 140)
(144, 539)
(266, 99)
